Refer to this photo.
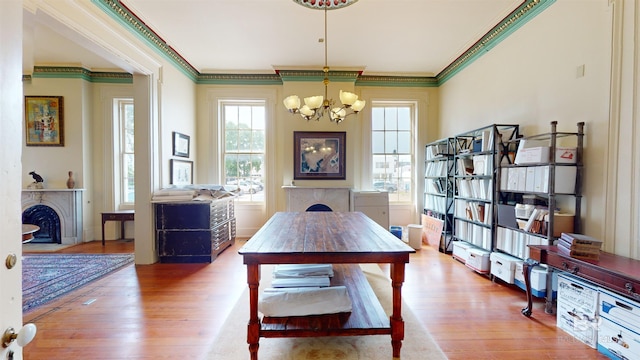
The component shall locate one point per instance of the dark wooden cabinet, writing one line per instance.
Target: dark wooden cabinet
(194, 231)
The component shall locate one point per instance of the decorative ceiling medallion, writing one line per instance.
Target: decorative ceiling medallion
(321, 4)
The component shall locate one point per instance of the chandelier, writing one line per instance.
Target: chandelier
(315, 107)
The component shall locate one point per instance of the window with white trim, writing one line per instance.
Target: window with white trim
(244, 147)
(124, 170)
(392, 127)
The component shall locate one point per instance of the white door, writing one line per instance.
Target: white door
(11, 104)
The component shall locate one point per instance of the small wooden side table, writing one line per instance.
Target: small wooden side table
(27, 232)
(121, 215)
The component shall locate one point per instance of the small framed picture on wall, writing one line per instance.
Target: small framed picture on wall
(181, 172)
(181, 144)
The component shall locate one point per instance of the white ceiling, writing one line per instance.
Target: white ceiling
(381, 37)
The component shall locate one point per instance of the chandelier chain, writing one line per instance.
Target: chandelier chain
(316, 107)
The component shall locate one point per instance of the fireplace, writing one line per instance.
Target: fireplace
(47, 220)
(328, 199)
(58, 213)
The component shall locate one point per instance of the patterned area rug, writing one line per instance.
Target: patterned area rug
(231, 342)
(48, 276)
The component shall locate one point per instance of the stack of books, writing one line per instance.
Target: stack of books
(579, 246)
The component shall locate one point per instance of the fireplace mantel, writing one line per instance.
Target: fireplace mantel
(300, 198)
(67, 203)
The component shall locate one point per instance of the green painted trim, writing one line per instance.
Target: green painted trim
(74, 72)
(239, 79)
(111, 77)
(318, 75)
(397, 81)
(516, 19)
(132, 22)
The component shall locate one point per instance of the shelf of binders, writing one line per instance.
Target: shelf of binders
(546, 175)
(477, 154)
(438, 188)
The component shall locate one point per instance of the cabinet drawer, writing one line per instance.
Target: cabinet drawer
(180, 243)
(183, 216)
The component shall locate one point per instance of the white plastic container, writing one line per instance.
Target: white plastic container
(415, 236)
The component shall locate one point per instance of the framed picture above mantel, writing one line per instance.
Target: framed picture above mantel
(44, 120)
(319, 155)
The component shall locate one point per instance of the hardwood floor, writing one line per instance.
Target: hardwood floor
(164, 311)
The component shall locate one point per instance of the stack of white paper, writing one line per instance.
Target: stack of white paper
(304, 301)
(309, 281)
(302, 270)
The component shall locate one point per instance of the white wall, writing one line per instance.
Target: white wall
(531, 79)
(54, 162)
(178, 113)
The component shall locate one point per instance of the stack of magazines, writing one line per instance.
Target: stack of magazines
(579, 246)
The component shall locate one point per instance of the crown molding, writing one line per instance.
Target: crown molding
(525, 12)
(76, 72)
(133, 23)
(517, 18)
(318, 75)
(238, 79)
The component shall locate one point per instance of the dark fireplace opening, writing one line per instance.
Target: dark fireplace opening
(319, 207)
(48, 221)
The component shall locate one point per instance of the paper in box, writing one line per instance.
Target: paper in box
(577, 309)
(617, 342)
(461, 251)
(478, 260)
(532, 155)
(503, 266)
(619, 330)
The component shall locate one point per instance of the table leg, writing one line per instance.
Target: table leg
(527, 266)
(122, 229)
(397, 323)
(103, 221)
(253, 328)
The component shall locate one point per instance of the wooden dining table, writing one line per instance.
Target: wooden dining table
(344, 239)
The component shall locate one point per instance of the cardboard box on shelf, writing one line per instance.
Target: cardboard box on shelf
(562, 223)
(566, 155)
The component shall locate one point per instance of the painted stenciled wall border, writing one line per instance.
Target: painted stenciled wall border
(116, 9)
(74, 72)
